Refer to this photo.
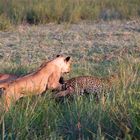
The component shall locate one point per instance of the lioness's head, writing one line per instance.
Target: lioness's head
(59, 66)
(63, 63)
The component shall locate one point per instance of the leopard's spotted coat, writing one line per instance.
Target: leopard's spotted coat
(86, 84)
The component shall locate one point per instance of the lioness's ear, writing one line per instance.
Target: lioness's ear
(58, 55)
(67, 59)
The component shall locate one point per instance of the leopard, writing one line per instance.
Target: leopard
(87, 85)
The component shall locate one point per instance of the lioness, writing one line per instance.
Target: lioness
(46, 77)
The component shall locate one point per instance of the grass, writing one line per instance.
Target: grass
(43, 118)
(97, 49)
(71, 11)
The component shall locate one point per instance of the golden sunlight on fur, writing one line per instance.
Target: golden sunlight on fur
(46, 77)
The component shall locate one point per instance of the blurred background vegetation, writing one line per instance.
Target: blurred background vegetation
(72, 11)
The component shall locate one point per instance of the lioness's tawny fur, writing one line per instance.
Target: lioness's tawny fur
(46, 77)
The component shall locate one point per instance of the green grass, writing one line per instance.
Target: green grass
(41, 117)
(44, 11)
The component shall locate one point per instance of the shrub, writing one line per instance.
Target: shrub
(43, 11)
(4, 23)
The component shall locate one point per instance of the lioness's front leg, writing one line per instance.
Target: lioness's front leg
(53, 80)
(6, 102)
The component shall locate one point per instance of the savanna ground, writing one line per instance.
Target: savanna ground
(99, 48)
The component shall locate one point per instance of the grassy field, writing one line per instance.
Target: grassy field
(70, 11)
(97, 48)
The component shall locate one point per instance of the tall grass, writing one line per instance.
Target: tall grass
(41, 117)
(44, 11)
